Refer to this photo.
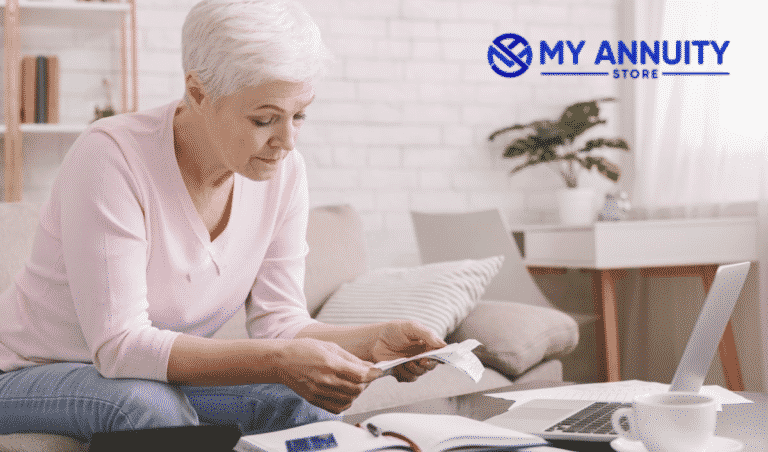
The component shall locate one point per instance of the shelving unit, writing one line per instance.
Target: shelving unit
(16, 14)
(48, 128)
(70, 13)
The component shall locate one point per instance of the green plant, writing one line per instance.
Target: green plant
(548, 141)
(108, 109)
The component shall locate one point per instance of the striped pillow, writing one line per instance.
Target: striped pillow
(439, 295)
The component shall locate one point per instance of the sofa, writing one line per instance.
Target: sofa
(524, 347)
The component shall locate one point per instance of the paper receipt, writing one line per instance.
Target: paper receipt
(458, 355)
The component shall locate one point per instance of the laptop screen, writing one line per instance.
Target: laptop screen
(709, 328)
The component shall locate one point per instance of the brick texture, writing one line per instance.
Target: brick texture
(401, 119)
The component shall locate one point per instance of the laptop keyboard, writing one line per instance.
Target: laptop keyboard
(595, 419)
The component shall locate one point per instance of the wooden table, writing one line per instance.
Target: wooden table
(659, 248)
(745, 422)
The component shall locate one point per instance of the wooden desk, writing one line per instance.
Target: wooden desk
(693, 247)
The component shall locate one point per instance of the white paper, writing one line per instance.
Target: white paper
(620, 391)
(444, 432)
(458, 355)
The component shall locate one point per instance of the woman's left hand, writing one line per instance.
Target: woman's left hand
(404, 338)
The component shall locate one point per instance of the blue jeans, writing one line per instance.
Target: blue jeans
(74, 400)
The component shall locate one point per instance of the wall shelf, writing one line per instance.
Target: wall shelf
(49, 128)
(16, 15)
(71, 14)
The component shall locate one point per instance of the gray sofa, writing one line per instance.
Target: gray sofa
(524, 347)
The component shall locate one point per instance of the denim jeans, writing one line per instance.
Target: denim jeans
(74, 400)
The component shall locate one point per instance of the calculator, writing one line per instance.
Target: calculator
(311, 443)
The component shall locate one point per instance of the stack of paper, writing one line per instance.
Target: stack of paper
(620, 391)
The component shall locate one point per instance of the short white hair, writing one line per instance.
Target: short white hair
(233, 44)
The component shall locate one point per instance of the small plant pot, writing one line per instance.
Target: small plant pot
(576, 205)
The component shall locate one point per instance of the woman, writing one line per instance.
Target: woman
(160, 226)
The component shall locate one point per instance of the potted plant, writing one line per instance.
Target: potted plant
(554, 143)
(108, 109)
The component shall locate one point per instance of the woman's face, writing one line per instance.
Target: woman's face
(252, 131)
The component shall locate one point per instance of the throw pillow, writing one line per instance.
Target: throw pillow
(516, 336)
(439, 295)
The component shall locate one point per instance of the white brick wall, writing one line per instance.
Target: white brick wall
(400, 121)
(415, 95)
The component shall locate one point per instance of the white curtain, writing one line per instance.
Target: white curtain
(698, 136)
(700, 142)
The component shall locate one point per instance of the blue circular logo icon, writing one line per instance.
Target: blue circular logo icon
(503, 59)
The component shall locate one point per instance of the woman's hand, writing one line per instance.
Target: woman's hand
(324, 374)
(404, 338)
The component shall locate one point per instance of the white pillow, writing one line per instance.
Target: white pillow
(515, 336)
(439, 295)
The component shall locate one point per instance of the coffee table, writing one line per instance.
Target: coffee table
(745, 422)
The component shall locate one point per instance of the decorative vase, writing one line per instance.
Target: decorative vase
(576, 205)
(616, 207)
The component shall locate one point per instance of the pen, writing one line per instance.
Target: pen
(375, 431)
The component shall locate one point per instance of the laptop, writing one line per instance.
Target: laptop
(581, 420)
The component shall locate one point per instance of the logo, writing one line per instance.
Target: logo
(511, 55)
(511, 64)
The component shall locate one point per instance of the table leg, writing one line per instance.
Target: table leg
(607, 327)
(727, 348)
(730, 360)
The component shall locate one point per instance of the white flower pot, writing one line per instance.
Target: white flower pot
(576, 205)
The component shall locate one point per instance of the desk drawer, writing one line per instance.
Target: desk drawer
(567, 248)
(635, 244)
(649, 244)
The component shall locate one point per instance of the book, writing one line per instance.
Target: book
(393, 431)
(28, 77)
(40, 91)
(52, 89)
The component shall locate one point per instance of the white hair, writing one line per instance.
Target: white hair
(233, 44)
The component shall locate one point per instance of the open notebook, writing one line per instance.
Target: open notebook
(392, 431)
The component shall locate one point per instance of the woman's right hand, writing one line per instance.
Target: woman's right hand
(323, 373)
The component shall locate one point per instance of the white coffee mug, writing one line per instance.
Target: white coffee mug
(669, 422)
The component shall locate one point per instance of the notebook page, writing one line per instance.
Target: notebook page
(437, 432)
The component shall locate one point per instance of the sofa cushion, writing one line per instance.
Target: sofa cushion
(40, 442)
(516, 336)
(439, 295)
(337, 252)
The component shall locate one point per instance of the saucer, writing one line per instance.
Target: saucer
(716, 444)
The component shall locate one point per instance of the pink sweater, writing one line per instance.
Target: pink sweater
(122, 263)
